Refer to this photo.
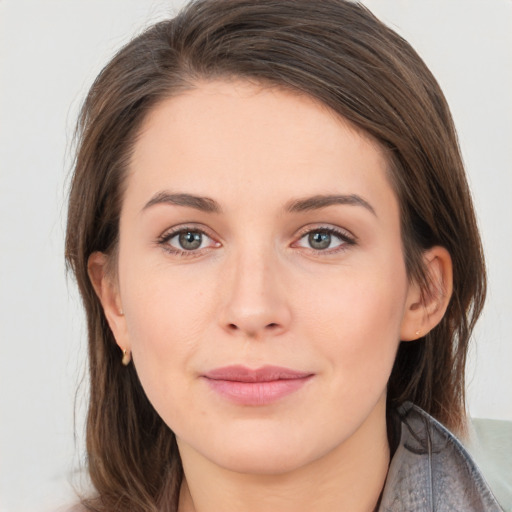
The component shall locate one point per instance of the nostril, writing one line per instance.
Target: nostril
(232, 327)
(272, 325)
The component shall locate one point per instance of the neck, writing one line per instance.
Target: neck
(349, 478)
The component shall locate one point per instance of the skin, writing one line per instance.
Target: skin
(257, 293)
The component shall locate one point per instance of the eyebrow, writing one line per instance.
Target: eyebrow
(204, 204)
(323, 201)
(209, 205)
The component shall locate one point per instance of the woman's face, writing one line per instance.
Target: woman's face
(260, 275)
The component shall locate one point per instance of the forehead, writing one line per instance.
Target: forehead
(231, 138)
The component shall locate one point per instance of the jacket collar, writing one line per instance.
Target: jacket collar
(431, 471)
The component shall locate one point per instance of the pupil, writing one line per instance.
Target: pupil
(190, 240)
(320, 240)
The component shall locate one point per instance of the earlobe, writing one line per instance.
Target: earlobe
(426, 305)
(107, 290)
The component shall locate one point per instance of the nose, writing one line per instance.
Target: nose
(255, 304)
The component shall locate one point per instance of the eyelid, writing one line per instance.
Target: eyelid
(347, 238)
(170, 233)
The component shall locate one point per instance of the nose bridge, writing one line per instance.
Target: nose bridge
(255, 302)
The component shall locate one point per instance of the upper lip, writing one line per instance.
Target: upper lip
(239, 373)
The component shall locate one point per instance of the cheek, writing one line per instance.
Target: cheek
(356, 321)
(164, 304)
(166, 323)
(166, 319)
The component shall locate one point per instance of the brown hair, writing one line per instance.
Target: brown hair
(337, 52)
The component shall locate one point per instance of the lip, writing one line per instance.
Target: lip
(260, 386)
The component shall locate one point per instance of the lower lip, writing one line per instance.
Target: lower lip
(257, 393)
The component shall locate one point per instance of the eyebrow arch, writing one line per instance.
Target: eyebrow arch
(204, 204)
(322, 201)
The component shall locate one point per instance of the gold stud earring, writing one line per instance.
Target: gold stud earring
(127, 357)
(418, 333)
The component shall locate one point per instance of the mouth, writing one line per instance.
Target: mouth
(256, 387)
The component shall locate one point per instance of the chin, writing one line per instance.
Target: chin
(267, 449)
(268, 460)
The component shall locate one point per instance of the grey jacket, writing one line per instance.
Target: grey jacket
(431, 471)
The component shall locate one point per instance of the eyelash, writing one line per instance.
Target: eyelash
(165, 238)
(346, 239)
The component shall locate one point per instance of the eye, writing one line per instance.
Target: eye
(325, 239)
(186, 240)
(320, 240)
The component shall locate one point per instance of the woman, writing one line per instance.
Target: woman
(274, 239)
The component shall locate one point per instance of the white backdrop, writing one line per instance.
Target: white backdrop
(50, 52)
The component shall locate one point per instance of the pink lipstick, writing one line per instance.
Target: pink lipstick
(260, 386)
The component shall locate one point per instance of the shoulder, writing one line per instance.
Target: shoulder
(431, 470)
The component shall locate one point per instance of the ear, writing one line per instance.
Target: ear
(107, 289)
(425, 308)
